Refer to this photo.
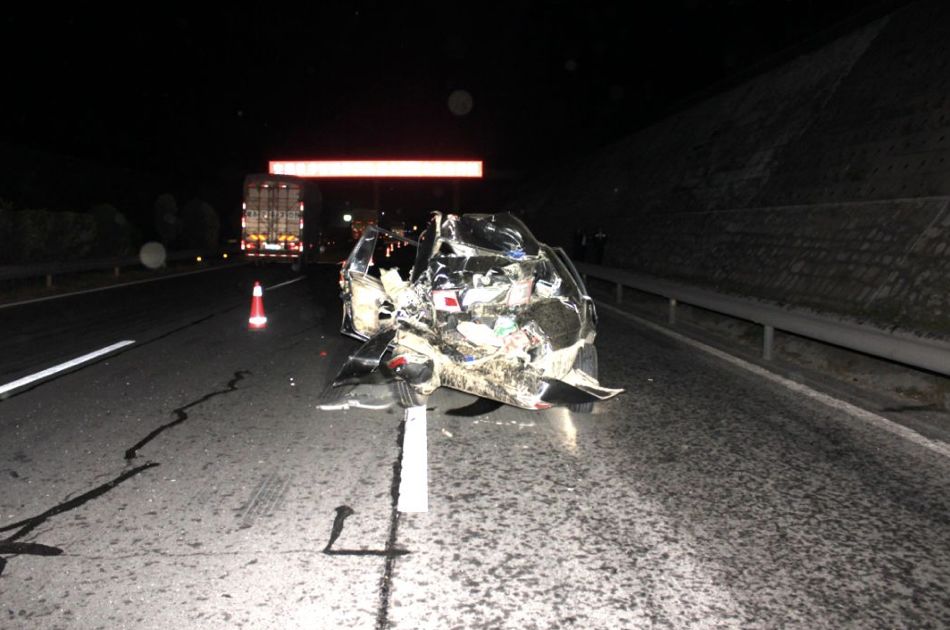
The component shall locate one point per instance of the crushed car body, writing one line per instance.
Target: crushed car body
(485, 308)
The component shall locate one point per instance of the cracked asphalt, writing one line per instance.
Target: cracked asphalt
(192, 480)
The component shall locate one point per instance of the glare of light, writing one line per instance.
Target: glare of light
(225, 255)
(563, 423)
(198, 259)
(347, 218)
(378, 168)
(152, 255)
(460, 102)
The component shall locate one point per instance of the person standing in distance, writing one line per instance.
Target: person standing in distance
(599, 242)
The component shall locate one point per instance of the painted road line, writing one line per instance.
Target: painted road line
(870, 417)
(284, 284)
(414, 476)
(124, 284)
(26, 380)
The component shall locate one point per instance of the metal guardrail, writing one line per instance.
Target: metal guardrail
(19, 272)
(902, 347)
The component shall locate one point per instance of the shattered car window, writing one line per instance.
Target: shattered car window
(486, 309)
(426, 245)
(362, 255)
(502, 233)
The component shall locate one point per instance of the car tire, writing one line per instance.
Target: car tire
(586, 361)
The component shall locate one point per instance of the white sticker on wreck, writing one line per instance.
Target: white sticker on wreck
(481, 295)
(520, 292)
(446, 300)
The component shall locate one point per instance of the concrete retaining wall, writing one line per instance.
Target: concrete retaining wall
(823, 183)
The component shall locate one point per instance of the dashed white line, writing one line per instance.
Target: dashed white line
(284, 284)
(414, 476)
(26, 380)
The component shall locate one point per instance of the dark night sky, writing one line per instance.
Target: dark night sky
(208, 93)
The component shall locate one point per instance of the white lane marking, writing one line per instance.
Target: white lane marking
(119, 286)
(284, 284)
(881, 422)
(26, 380)
(414, 476)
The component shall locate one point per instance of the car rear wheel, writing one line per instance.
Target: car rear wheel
(586, 361)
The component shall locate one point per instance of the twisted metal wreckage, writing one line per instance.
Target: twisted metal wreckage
(487, 309)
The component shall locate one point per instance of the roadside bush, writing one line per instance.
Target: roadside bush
(113, 231)
(70, 236)
(167, 223)
(6, 231)
(32, 236)
(201, 226)
(38, 235)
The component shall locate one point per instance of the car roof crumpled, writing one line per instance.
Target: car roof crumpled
(500, 232)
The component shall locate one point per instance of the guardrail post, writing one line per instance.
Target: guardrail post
(619, 293)
(672, 316)
(116, 269)
(49, 280)
(768, 336)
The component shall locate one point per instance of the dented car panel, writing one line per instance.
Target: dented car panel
(485, 308)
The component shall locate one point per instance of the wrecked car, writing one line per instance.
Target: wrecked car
(483, 308)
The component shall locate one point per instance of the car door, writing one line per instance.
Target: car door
(363, 293)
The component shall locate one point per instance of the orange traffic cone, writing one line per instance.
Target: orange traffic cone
(258, 320)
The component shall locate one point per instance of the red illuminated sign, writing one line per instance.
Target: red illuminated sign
(379, 168)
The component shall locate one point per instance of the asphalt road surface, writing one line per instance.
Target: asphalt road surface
(193, 480)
